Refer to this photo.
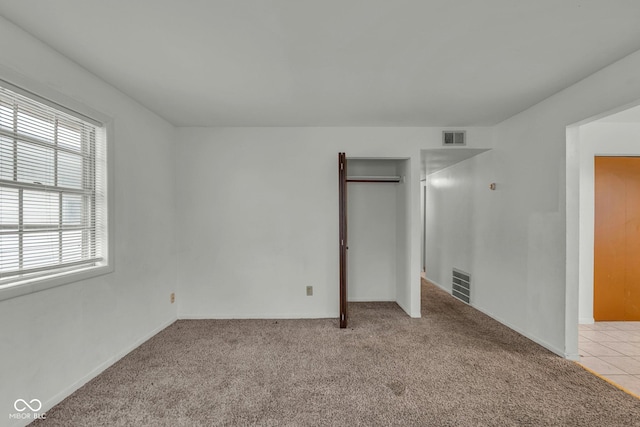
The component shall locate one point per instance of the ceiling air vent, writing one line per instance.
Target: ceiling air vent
(453, 138)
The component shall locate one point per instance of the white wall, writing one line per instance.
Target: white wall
(53, 341)
(453, 195)
(597, 139)
(258, 215)
(523, 251)
(408, 236)
(269, 226)
(423, 222)
(371, 227)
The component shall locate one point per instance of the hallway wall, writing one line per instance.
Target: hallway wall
(519, 245)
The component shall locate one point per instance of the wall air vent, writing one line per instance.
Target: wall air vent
(454, 138)
(461, 286)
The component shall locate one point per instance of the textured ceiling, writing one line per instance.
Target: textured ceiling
(335, 62)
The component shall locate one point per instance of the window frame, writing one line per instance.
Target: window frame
(54, 99)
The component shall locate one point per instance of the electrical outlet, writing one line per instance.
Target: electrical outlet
(173, 297)
(309, 291)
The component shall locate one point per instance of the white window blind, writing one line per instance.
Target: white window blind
(52, 198)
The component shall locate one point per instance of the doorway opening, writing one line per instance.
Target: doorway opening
(600, 152)
(435, 187)
(613, 135)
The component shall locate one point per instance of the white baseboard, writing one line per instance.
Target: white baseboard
(257, 316)
(586, 321)
(405, 309)
(67, 391)
(572, 357)
(447, 290)
(533, 338)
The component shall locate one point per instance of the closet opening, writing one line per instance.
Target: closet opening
(374, 231)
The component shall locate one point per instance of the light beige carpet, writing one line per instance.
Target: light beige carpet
(453, 367)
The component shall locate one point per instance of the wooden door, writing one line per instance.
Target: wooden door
(616, 287)
(342, 194)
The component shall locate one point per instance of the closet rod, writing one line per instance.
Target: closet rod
(392, 179)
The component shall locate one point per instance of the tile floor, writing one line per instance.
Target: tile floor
(612, 349)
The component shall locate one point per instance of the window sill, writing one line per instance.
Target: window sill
(41, 283)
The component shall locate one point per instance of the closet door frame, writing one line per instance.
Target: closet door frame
(342, 190)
